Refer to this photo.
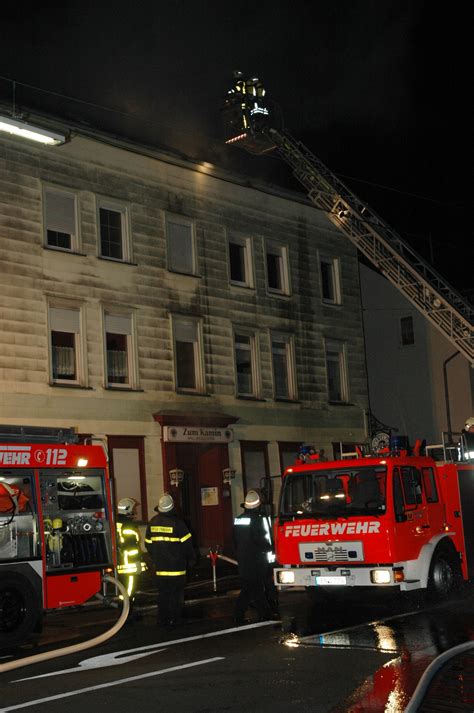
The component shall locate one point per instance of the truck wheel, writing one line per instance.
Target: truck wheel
(445, 575)
(19, 609)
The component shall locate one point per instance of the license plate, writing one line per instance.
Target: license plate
(330, 580)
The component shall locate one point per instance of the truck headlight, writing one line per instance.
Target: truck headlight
(381, 576)
(286, 576)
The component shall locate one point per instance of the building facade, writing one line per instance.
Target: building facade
(204, 324)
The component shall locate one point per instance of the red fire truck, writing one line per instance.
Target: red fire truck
(392, 519)
(57, 535)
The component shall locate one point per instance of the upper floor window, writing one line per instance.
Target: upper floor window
(336, 366)
(188, 354)
(65, 345)
(119, 349)
(277, 268)
(330, 282)
(60, 219)
(240, 262)
(246, 363)
(407, 332)
(181, 245)
(114, 231)
(283, 363)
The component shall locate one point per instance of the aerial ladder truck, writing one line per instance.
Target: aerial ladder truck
(254, 123)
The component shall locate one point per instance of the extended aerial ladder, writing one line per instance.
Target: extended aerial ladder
(255, 123)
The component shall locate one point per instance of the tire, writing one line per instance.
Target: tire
(445, 573)
(20, 610)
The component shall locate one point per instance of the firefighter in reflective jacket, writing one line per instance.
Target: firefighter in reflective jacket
(170, 546)
(253, 544)
(130, 562)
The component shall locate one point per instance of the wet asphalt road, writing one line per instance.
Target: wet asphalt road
(358, 654)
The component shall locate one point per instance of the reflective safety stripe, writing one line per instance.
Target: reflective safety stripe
(171, 574)
(147, 540)
(267, 527)
(186, 537)
(131, 532)
(165, 539)
(242, 521)
(159, 528)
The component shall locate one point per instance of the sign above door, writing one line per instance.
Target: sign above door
(197, 434)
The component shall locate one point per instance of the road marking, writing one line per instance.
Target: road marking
(112, 659)
(129, 679)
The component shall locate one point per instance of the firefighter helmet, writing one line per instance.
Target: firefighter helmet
(469, 425)
(165, 503)
(126, 506)
(252, 500)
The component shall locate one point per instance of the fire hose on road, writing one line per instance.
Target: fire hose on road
(75, 648)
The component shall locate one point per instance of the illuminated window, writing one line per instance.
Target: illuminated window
(65, 346)
(407, 333)
(330, 282)
(188, 354)
(60, 219)
(114, 231)
(180, 245)
(246, 363)
(240, 262)
(336, 369)
(277, 269)
(120, 352)
(283, 364)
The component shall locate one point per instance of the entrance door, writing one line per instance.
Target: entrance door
(127, 469)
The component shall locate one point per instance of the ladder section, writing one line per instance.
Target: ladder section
(406, 270)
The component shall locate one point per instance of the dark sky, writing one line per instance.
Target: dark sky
(378, 89)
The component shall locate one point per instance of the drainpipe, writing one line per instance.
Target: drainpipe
(446, 395)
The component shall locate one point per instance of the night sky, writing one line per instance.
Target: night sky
(377, 89)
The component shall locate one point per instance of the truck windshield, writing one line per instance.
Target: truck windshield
(335, 492)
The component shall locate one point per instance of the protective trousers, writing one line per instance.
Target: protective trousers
(170, 599)
(252, 592)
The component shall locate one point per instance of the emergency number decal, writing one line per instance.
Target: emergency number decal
(332, 528)
(21, 455)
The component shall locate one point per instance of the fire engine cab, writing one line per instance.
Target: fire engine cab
(393, 519)
(56, 526)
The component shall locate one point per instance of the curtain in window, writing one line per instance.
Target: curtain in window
(64, 362)
(117, 366)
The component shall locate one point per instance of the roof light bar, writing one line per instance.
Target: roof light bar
(33, 133)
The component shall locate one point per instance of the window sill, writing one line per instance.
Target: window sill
(183, 392)
(116, 260)
(286, 401)
(330, 303)
(124, 388)
(57, 385)
(242, 397)
(63, 250)
(340, 403)
(185, 274)
(277, 293)
(241, 286)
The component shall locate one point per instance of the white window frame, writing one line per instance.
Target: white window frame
(254, 362)
(402, 343)
(198, 351)
(79, 344)
(188, 223)
(340, 348)
(246, 245)
(109, 313)
(75, 235)
(289, 341)
(281, 250)
(335, 271)
(124, 210)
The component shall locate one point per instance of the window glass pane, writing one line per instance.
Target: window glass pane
(60, 219)
(280, 369)
(185, 365)
(254, 465)
(180, 247)
(429, 484)
(334, 376)
(407, 332)
(117, 358)
(237, 262)
(63, 346)
(19, 533)
(411, 479)
(59, 240)
(243, 359)
(327, 280)
(111, 234)
(275, 271)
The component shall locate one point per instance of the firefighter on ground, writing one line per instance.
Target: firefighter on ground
(254, 550)
(170, 547)
(130, 562)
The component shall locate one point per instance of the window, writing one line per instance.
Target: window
(336, 372)
(114, 231)
(277, 269)
(120, 357)
(411, 480)
(254, 464)
(407, 334)
(330, 283)
(65, 345)
(284, 380)
(189, 371)
(60, 219)
(180, 242)
(288, 454)
(240, 262)
(246, 363)
(429, 484)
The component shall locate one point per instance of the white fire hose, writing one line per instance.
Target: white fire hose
(75, 648)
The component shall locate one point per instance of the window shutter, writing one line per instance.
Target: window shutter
(118, 324)
(185, 331)
(64, 320)
(61, 212)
